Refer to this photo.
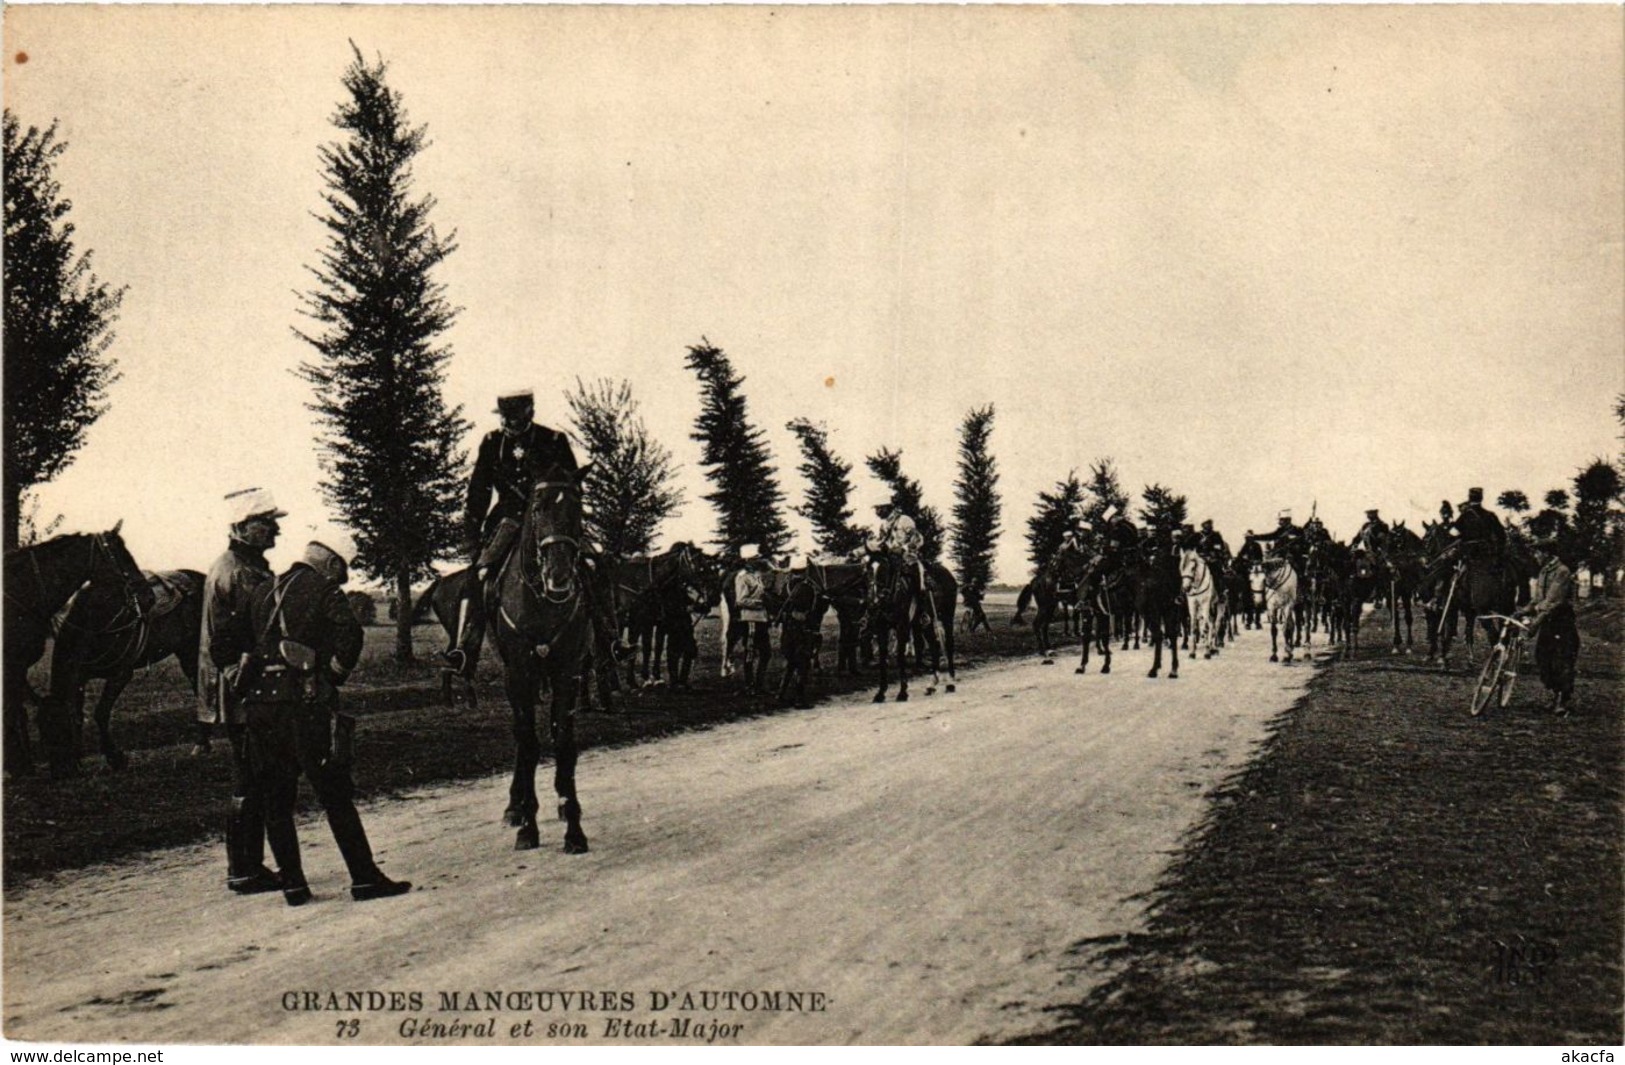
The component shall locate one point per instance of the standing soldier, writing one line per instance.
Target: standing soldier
(510, 460)
(227, 596)
(1551, 618)
(306, 640)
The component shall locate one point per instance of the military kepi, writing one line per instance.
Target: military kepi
(513, 402)
(251, 503)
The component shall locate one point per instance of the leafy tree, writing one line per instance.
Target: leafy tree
(1105, 490)
(887, 465)
(1513, 501)
(1055, 513)
(1162, 508)
(391, 449)
(829, 489)
(1557, 499)
(58, 324)
(746, 496)
(1596, 488)
(976, 506)
(629, 492)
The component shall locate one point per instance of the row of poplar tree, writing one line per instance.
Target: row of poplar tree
(393, 454)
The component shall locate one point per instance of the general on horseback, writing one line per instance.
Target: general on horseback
(1471, 573)
(510, 460)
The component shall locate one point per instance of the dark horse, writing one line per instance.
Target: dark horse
(845, 587)
(1105, 594)
(644, 588)
(1403, 559)
(1158, 599)
(104, 637)
(1482, 581)
(39, 581)
(1056, 586)
(542, 629)
(898, 610)
(445, 598)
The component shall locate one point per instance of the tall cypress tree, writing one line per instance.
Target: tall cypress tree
(887, 465)
(58, 322)
(976, 506)
(1163, 509)
(829, 491)
(392, 450)
(1055, 513)
(746, 495)
(629, 491)
(1105, 490)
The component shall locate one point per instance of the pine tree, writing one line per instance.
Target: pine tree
(1105, 490)
(829, 489)
(391, 450)
(1055, 514)
(1597, 487)
(746, 496)
(906, 492)
(976, 506)
(58, 324)
(1513, 501)
(1162, 508)
(629, 492)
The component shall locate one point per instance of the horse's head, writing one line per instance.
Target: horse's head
(553, 530)
(112, 562)
(1366, 566)
(1191, 565)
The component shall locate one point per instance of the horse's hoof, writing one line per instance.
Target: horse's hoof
(527, 839)
(1049, 662)
(1152, 674)
(931, 690)
(880, 697)
(1080, 671)
(950, 688)
(1173, 676)
(1275, 658)
(902, 697)
(511, 817)
(575, 846)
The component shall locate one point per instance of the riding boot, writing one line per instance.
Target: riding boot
(246, 873)
(460, 657)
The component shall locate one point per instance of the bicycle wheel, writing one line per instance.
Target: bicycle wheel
(1489, 679)
(1509, 676)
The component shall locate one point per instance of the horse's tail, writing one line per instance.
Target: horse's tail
(425, 601)
(1022, 600)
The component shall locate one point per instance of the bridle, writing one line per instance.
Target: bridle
(1188, 570)
(129, 584)
(538, 587)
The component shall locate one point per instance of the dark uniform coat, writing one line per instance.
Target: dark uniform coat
(505, 468)
(227, 596)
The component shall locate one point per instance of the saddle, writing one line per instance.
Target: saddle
(169, 588)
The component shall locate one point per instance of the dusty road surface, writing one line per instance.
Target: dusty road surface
(915, 870)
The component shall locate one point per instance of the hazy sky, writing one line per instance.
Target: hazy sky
(1266, 256)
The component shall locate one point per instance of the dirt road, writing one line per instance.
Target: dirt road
(917, 870)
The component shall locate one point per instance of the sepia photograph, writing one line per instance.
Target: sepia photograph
(905, 525)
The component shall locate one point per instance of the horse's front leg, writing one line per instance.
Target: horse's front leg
(905, 640)
(883, 638)
(1275, 647)
(1173, 657)
(1088, 635)
(111, 689)
(522, 684)
(562, 720)
(19, 755)
(1155, 639)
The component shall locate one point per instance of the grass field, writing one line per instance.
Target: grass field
(1390, 869)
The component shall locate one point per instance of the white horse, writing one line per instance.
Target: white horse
(1202, 600)
(1275, 588)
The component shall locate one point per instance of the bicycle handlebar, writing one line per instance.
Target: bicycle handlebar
(1507, 618)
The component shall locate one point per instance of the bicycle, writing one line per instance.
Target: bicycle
(1500, 672)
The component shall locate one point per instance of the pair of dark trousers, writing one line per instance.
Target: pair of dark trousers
(290, 739)
(1557, 646)
(245, 822)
